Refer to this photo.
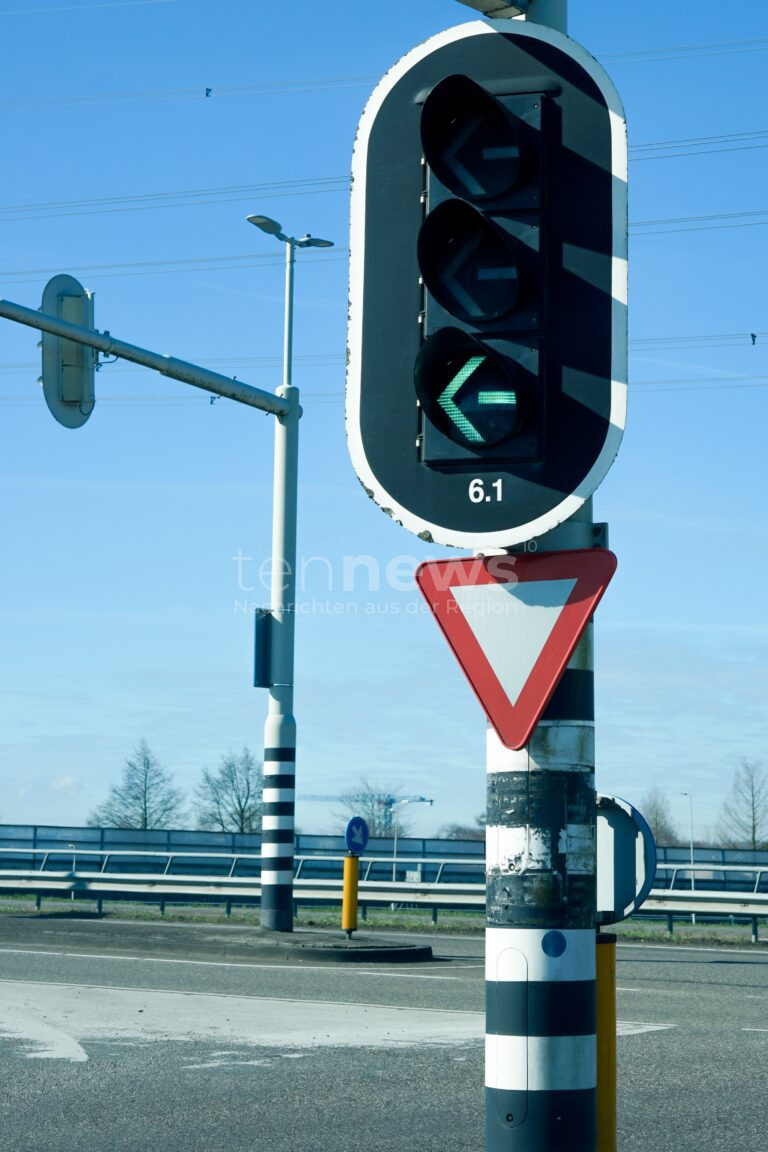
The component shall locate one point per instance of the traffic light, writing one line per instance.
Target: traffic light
(487, 334)
(68, 367)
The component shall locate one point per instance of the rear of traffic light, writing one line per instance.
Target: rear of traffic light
(67, 366)
(487, 336)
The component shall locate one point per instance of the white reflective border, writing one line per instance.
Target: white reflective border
(285, 850)
(540, 1063)
(275, 823)
(517, 850)
(277, 795)
(514, 851)
(526, 958)
(272, 879)
(618, 416)
(565, 745)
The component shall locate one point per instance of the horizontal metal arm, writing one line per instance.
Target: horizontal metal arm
(167, 365)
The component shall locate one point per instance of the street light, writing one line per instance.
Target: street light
(278, 820)
(273, 228)
(690, 814)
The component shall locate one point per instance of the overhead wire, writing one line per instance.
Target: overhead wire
(211, 89)
(322, 184)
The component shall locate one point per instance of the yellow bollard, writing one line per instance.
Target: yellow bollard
(606, 1042)
(349, 894)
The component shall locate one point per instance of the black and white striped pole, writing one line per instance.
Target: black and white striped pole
(540, 1072)
(275, 629)
(486, 400)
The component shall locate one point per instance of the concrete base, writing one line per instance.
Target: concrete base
(73, 932)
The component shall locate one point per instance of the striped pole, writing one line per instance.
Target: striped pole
(540, 934)
(279, 795)
(277, 829)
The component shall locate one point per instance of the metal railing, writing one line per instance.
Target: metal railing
(168, 876)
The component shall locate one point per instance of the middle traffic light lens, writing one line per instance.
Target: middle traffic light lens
(468, 263)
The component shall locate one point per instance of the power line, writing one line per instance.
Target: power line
(706, 223)
(687, 141)
(702, 340)
(179, 264)
(639, 387)
(640, 344)
(180, 198)
(211, 89)
(715, 48)
(202, 92)
(279, 189)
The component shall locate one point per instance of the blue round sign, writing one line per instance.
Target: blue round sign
(553, 944)
(356, 835)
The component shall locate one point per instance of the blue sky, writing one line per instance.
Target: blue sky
(121, 611)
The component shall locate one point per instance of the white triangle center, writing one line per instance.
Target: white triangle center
(512, 623)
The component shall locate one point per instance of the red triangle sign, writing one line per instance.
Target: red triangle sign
(513, 623)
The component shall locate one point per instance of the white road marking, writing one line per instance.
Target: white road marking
(43, 1040)
(747, 950)
(633, 1028)
(754, 1029)
(236, 1060)
(223, 995)
(350, 970)
(58, 1020)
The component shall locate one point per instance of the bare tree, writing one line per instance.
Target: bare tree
(375, 803)
(655, 807)
(230, 799)
(145, 798)
(474, 831)
(744, 817)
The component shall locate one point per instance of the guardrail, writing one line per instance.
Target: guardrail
(93, 879)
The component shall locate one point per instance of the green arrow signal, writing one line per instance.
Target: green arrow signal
(484, 399)
(452, 411)
(497, 398)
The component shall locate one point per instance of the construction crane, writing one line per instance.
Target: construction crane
(386, 800)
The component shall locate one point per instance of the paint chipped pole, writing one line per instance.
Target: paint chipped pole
(541, 915)
(541, 1077)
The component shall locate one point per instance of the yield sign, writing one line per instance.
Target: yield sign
(513, 623)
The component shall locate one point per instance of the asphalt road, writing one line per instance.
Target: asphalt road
(139, 1038)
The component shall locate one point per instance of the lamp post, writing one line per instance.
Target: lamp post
(690, 815)
(279, 796)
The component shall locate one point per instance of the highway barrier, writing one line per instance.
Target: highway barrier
(730, 891)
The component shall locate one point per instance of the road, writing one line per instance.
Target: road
(143, 1048)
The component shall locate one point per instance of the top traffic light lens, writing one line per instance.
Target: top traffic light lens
(470, 141)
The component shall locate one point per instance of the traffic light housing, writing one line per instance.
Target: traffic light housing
(68, 367)
(487, 334)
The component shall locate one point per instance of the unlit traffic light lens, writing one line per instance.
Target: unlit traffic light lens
(470, 140)
(469, 263)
